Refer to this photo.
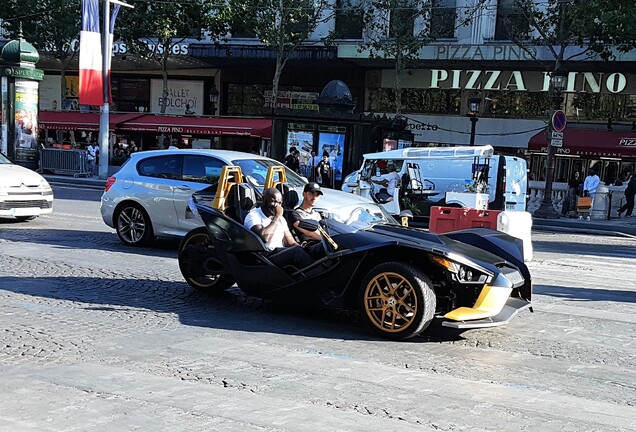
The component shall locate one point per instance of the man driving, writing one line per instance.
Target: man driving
(305, 211)
(268, 222)
(389, 181)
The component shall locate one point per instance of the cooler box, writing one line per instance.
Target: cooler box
(474, 218)
(444, 219)
(517, 224)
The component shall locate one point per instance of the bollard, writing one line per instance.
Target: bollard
(600, 204)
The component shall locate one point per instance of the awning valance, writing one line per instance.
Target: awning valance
(76, 120)
(228, 126)
(590, 143)
(144, 122)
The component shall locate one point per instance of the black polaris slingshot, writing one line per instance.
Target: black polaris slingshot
(399, 278)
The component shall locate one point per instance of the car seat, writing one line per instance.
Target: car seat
(240, 200)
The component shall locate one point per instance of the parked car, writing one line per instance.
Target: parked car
(24, 194)
(149, 195)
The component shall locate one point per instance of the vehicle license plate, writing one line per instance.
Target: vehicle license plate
(22, 212)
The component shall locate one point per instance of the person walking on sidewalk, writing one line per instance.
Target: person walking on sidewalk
(630, 194)
(590, 184)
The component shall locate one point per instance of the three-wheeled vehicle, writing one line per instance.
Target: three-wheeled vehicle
(399, 278)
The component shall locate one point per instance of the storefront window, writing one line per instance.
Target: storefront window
(245, 99)
(349, 19)
(443, 16)
(562, 170)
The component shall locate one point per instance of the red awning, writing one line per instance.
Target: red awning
(589, 143)
(254, 127)
(75, 120)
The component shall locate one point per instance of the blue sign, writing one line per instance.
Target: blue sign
(559, 121)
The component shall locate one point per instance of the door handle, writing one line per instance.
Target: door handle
(183, 187)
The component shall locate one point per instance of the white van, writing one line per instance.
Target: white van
(428, 173)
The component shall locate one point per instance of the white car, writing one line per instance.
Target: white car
(24, 194)
(149, 195)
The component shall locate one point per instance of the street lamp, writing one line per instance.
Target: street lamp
(214, 99)
(473, 109)
(558, 81)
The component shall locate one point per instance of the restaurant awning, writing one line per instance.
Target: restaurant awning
(254, 127)
(76, 120)
(145, 122)
(590, 143)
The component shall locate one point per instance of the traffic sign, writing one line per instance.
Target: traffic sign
(557, 135)
(556, 142)
(558, 121)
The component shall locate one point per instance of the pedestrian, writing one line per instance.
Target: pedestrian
(323, 171)
(630, 194)
(292, 160)
(93, 152)
(314, 161)
(569, 203)
(590, 184)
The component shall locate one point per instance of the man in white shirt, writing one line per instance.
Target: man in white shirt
(268, 222)
(591, 183)
(92, 156)
(390, 182)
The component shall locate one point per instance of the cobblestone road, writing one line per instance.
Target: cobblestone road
(96, 336)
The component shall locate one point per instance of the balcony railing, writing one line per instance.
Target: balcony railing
(559, 191)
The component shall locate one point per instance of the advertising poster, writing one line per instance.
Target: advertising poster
(184, 97)
(71, 97)
(333, 144)
(304, 143)
(26, 120)
(50, 91)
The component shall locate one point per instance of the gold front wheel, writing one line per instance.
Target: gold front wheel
(397, 300)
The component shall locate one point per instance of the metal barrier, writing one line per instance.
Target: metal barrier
(61, 161)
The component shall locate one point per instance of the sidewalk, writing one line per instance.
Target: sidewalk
(616, 226)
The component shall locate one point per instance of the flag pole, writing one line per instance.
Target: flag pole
(104, 113)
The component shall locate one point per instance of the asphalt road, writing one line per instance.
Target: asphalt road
(97, 336)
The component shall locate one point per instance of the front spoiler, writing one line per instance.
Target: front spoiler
(508, 312)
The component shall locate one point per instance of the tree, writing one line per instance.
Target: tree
(591, 27)
(281, 25)
(596, 27)
(399, 29)
(154, 30)
(52, 26)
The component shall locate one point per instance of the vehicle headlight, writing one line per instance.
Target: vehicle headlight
(462, 272)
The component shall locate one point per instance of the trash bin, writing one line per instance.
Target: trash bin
(600, 205)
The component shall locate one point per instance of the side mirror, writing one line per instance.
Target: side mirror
(405, 215)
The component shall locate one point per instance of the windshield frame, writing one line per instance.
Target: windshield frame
(293, 179)
(339, 218)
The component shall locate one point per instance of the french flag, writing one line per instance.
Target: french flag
(91, 90)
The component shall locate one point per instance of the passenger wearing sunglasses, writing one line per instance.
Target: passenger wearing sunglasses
(268, 222)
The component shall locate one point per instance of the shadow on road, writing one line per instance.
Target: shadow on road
(230, 310)
(586, 294)
(74, 239)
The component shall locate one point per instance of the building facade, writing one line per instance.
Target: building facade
(470, 56)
